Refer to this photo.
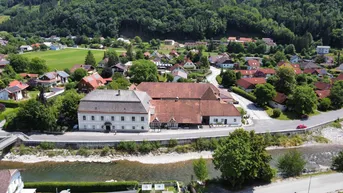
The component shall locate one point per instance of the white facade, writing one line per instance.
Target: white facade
(323, 49)
(189, 65)
(226, 65)
(4, 94)
(113, 122)
(277, 105)
(16, 184)
(224, 120)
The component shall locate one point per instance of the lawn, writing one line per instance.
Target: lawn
(66, 58)
(287, 115)
(7, 112)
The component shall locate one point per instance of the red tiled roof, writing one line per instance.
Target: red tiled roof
(298, 71)
(249, 83)
(322, 86)
(146, 54)
(19, 84)
(254, 63)
(29, 75)
(339, 77)
(83, 66)
(267, 70)
(246, 72)
(280, 98)
(94, 80)
(232, 38)
(176, 66)
(5, 179)
(172, 90)
(246, 39)
(323, 93)
(190, 111)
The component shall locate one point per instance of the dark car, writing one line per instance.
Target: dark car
(304, 117)
(235, 102)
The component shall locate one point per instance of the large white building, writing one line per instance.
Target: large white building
(115, 110)
(11, 182)
(323, 49)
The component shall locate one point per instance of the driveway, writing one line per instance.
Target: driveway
(212, 77)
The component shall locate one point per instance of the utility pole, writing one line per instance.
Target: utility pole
(309, 185)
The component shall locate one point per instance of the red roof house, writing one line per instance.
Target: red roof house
(248, 84)
(91, 82)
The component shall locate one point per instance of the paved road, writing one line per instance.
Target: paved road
(212, 77)
(319, 184)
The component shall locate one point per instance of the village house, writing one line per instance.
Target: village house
(16, 90)
(146, 55)
(246, 73)
(249, 84)
(174, 53)
(169, 42)
(11, 182)
(265, 72)
(52, 79)
(339, 77)
(317, 72)
(279, 101)
(253, 64)
(177, 74)
(3, 42)
(322, 86)
(321, 50)
(25, 48)
(225, 62)
(88, 68)
(309, 65)
(189, 65)
(296, 67)
(294, 59)
(115, 110)
(103, 63)
(188, 105)
(89, 83)
(269, 42)
(121, 68)
(29, 76)
(322, 93)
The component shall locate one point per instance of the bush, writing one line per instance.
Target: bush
(127, 146)
(184, 148)
(145, 147)
(324, 104)
(202, 144)
(244, 94)
(172, 143)
(10, 104)
(51, 154)
(337, 162)
(83, 186)
(219, 79)
(2, 107)
(320, 139)
(83, 152)
(105, 151)
(291, 164)
(276, 113)
(336, 124)
(47, 145)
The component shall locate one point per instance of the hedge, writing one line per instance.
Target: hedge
(243, 93)
(219, 79)
(10, 104)
(82, 186)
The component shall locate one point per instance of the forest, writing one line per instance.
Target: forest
(286, 21)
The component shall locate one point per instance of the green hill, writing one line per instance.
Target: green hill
(286, 21)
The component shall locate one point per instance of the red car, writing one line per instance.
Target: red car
(302, 126)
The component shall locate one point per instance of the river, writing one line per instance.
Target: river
(126, 170)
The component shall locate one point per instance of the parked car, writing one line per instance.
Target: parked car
(236, 102)
(220, 86)
(301, 126)
(304, 117)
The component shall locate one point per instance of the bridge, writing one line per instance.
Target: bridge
(11, 139)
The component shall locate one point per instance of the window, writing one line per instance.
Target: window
(133, 127)
(112, 118)
(102, 118)
(92, 118)
(122, 127)
(234, 120)
(142, 118)
(93, 126)
(122, 118)
(133, 118)
(85, 126)
(215, 120)
(84, 118)
(142, 127)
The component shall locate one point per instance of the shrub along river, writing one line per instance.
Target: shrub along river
(317, 157)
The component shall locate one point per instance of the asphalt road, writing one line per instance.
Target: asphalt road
(319, 184)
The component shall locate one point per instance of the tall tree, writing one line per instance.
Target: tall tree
(243, 158)
(143, 71)
(279, 56)
(303, 100)
(285, 80)
(38, 66)
(19, 63)
(68, 110)
(204, 63)
(264, 93)
(336, 94)
(79, 74)
(113, 58)
(200, 169)
(90, 60)
(228, 78)
(129, 53)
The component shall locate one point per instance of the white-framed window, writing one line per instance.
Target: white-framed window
(235, 120)
(142, 118)
(112, 118)
(93, 126)
(102, 118)
(215, 120)
(142, 127)
(92, 118)
(122, 127)
(133, 118)
(133, 127)
(85, 126)
(122, 118)
(84, 117)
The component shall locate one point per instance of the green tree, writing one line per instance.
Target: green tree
(113, 58)
(139, 55)
(324, 104)
(129, 53)
(303, 100)
(285, 80)
(261, 49)
(137, 40)
(290, 49)
(204, 63)
(336, 94)
(38, 66)
(8, 72)
(143, 71)
(119, 83)
(264, 93)
(2, 85)
(337, 162)
(90, 60)
(79, 74)
(68, 110)
(235, 47)
(243, 158)
(19, 63)
(279, 56)
(200, 169)
(251, 48)
(228, 78)
(291, 164)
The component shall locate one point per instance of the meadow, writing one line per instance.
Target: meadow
(66, 58)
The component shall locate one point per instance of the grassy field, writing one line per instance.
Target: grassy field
(287, 115)
(67, 58)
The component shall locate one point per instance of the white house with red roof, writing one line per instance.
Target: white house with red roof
(253, 64)
(16, 90)
(11, 182)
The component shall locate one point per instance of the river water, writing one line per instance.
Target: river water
(316, 156)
